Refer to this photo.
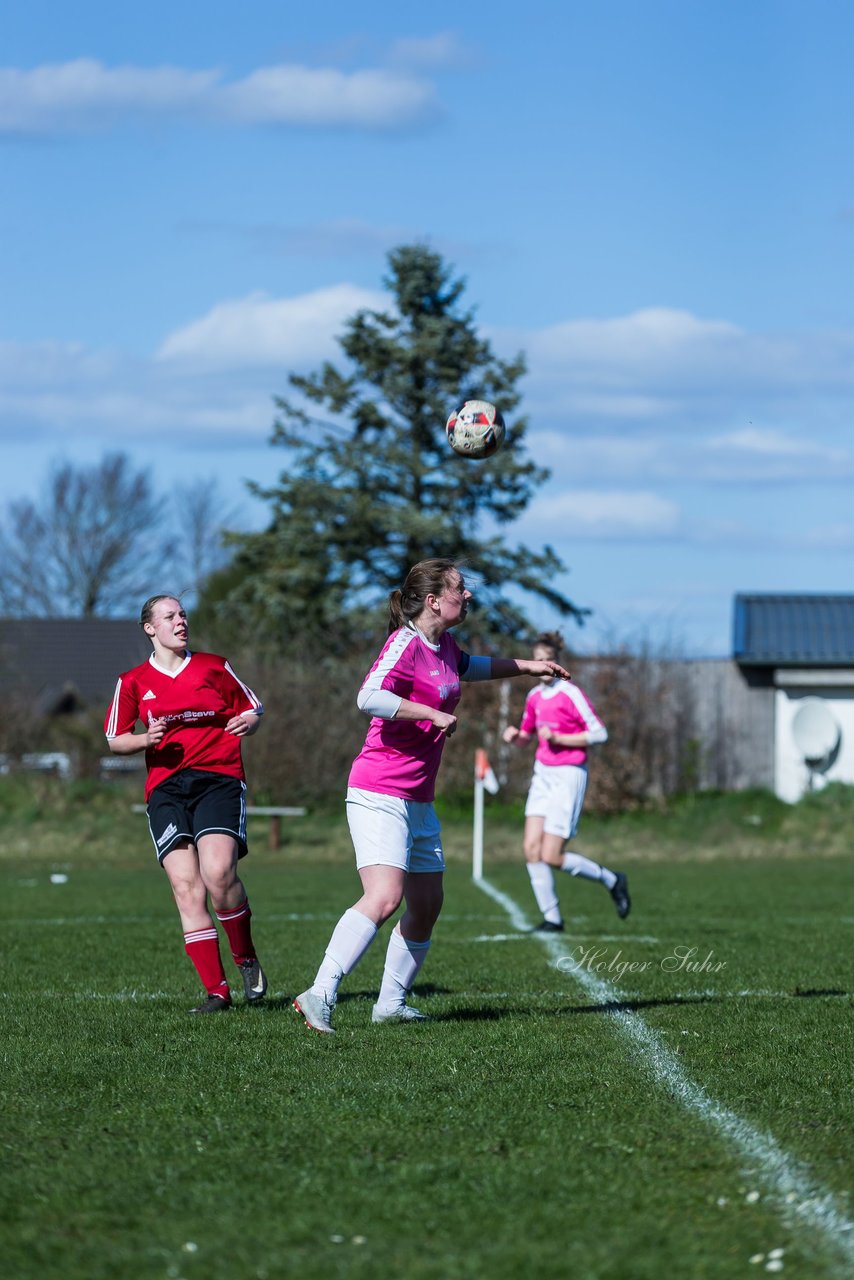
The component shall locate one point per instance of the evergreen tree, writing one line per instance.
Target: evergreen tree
(360, 503)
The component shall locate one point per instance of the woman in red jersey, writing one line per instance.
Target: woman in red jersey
(195, 711)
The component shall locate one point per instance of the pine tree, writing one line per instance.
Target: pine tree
(371, 486)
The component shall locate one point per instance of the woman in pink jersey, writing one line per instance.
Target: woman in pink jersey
(411, 693)
(195, 711)
(562, 719)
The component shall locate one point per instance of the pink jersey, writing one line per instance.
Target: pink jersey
(402, 757)
(196, 701)
(564, 708)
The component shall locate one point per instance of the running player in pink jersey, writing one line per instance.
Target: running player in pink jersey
(411, 693)
(565, 724)
(195, 711)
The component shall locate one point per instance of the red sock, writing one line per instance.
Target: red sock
(202, 946)
(239, 931)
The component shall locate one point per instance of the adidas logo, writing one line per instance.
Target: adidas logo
(148, 695)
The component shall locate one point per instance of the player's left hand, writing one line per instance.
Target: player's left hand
(239, 726)
(539, 667)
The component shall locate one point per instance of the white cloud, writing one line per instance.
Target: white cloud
(259, 330)
(659, 363)
(602, 514)
(324, 96)
(438, 51)
(741, 457)
(214, 378)
(85, 94)
(765, 443)
(828, 538)
(643, 343)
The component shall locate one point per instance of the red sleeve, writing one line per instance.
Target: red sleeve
(239, 694)
(123, 711)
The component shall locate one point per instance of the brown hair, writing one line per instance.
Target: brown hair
(428, 577)
(148, 608)
(549, 640)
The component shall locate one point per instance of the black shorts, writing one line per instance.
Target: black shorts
(195, 803)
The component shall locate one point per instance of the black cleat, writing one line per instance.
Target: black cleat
(254, 980)
(213, 1004)
(620, 894)
(546, 926)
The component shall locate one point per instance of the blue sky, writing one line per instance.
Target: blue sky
(654, 201)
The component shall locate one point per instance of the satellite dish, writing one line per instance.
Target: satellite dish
(815, 730)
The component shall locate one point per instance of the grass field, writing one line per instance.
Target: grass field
(586, 1105)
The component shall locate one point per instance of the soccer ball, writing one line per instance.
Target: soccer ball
(476, 429)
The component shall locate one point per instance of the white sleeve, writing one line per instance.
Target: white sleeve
(378, 702)
(593, 726)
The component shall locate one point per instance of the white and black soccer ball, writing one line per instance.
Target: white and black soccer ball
(476, 429)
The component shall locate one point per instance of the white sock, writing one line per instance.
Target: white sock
(403, 959)
(577, 865)
(351, 937)
(543, 884)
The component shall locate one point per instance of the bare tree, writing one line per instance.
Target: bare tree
(202, 515)
(91, 545)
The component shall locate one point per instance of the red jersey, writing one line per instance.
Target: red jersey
(197, 701)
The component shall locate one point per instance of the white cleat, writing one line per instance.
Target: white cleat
(397, 1013)
(316, 1010)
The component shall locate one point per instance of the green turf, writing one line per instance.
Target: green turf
(522, 1133)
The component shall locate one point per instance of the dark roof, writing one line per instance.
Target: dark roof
(50, 659)
(794, 630)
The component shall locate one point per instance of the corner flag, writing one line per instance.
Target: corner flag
(484, 771)
(484, 780)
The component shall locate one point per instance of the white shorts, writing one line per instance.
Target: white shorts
(392, 832)
(557, 795)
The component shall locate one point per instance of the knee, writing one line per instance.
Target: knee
(188, 892)
(532, 850)
(422, 915)
(384, 905)
(429, 909)
(220, 881)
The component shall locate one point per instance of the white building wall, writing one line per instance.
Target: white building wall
(792, 777)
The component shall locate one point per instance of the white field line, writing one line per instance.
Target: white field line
(110, 997)
(575, 937)
(789, 1185)
(49, 922)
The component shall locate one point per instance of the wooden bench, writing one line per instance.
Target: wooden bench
(275, 812)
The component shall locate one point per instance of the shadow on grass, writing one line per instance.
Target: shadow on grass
(420, 990)
(632, 1006)
(810, 993)
(494, 1013)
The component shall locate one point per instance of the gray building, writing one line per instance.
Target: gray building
(62, 672)
(795, 655)
(64, 664)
